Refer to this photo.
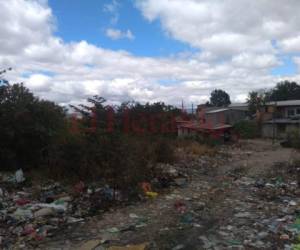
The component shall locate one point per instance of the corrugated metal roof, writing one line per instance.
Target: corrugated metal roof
(236, 105)
(203, 126)
(217, 111)
(283, 121)
(285, 103)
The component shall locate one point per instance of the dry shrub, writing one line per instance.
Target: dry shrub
(122, 161)
(194, 148)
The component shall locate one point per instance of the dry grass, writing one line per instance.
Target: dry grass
(194, 148)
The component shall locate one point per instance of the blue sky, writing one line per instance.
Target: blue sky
(149, 50)
(288, 67)
(88, 20)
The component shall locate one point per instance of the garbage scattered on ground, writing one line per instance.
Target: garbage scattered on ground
(212, 202)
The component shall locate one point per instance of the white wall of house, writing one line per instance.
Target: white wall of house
(280, 129)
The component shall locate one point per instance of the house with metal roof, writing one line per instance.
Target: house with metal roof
(213, 120)
(279, 118)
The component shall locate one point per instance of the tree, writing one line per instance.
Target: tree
(28, 126)
(255, 100)
(219, 98)
(285, 90)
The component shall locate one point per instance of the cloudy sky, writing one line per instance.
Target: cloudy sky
(149, 50)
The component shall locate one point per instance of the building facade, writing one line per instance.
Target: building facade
(280, 118)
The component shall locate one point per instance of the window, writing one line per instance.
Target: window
(291, 112)
(298, 111)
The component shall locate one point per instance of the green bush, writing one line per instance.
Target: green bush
(28, 126)
(122, 161)
(37, 134)
(293, 138)
(247, 129)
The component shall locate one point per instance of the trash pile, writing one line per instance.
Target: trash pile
(273, 207)
(170, 175)
(29, 214)
(223, 201)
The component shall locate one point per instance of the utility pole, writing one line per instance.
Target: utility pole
(192, 108)
(273, 121)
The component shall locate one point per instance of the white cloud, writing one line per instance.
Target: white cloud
(116, 34)
(113, 9)
(38, 82)
(291, 44)
(236, 52)
(261, 61)
(226, 27)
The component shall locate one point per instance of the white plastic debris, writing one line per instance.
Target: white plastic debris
(46, 211)
(21, 214)
(19, 176)
(57, 208)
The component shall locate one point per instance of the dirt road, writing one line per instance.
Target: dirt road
(247, 197)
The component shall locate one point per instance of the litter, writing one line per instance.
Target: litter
(152, 194)
(19, 176)
(46, 211)
(22, 214)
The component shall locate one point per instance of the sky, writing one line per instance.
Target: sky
(149, 50)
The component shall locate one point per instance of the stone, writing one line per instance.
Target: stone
(178, 247)
(243, 215)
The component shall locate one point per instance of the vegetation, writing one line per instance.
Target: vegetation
(28, 127)
(256, 100)
(192, 147)
(292, 139)
(219, 98)
(285, 90)
(247, 129)
(119, 144)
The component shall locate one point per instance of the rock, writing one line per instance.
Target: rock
(206, 242)
(178, 247)
(200, 205)
(259, 183)
(181, 182)
(113, 230)
(74, 220)
(262, 235)
(133, 216)
(243, 215)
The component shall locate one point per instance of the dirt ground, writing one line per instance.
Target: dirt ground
(229, 202)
